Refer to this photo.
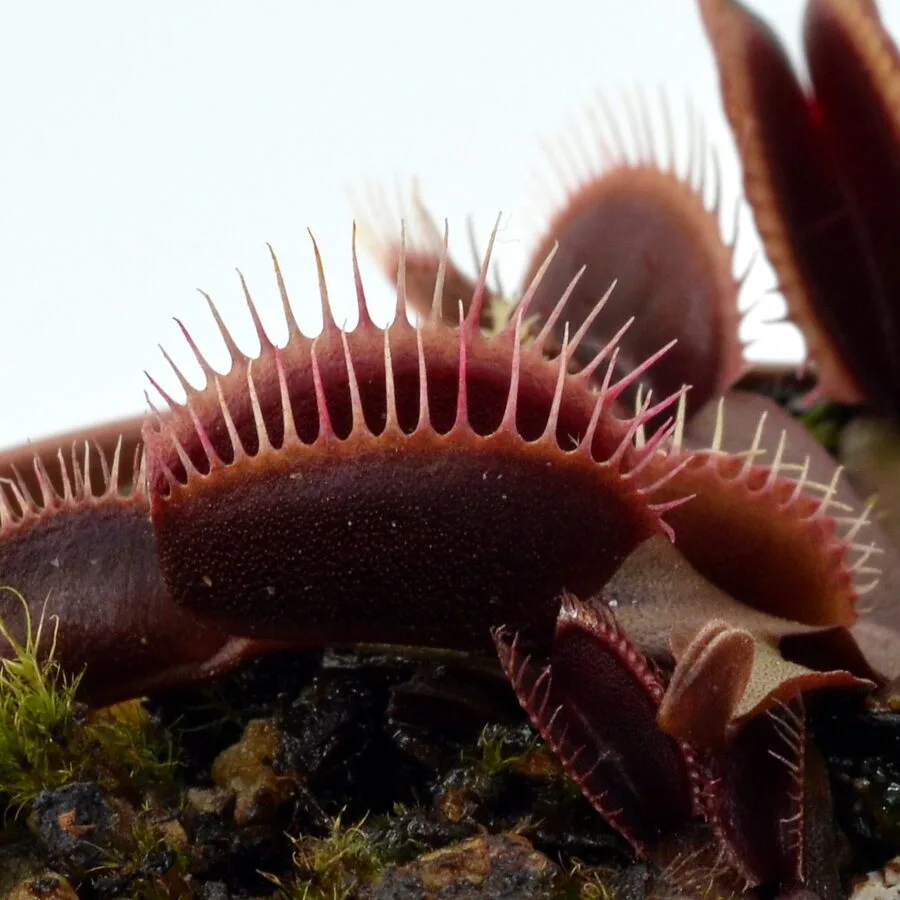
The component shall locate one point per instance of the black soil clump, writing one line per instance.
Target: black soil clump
(336, 775)
(377, 775)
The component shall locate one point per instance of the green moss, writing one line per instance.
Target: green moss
(333, 867)
(37, 717)
(48, 739)
(153, 861)
(825, 421)
(118, 746)
(583, 882)
(500, 754)
(589, 884)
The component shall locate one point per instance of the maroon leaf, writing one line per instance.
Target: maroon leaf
(595, 705)
(397, 485)
(86, 554)
(757, 802)
(821, 175)
(647, 228)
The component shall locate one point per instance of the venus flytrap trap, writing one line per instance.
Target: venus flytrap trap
(504, 482)
(669, 594)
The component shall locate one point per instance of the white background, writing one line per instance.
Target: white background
(148, 149)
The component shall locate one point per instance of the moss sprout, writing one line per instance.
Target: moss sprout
(38, 715)
(48, 738)
(503, 750)
(333, 867)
